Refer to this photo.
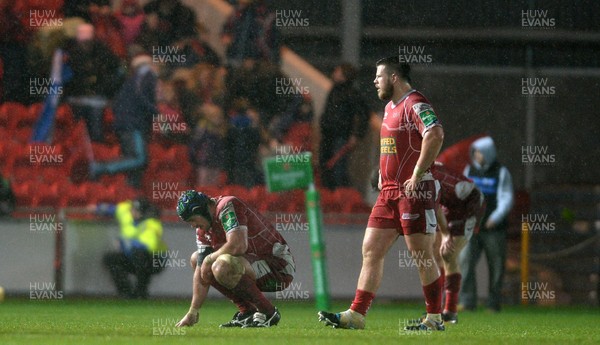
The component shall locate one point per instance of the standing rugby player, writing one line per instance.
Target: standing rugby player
(411, 138)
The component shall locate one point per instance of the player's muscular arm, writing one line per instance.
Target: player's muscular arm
(237, 243)
(430, 147)
(199, 292)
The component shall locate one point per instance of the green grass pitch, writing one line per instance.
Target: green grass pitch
(97, 321)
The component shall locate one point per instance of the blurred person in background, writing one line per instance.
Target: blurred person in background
(242, 145)
(344, 121)
(171, 19)
(96, 74)
(134, 108)
(495, 182)
(251, 33)
(131, 18)
(207, 146)
(140, 243)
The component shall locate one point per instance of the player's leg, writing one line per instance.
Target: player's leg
(467, 260)
(245, 309)
(494, 243)
(236, 274)
(453, 277)
(376, 244)
(421, 246)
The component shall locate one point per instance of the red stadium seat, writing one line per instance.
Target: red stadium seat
(103, 153)
(33, 114)
(10, 112)
(6, 157)
(51, 194)
(81, 195)
(329, 202)
(24, 164)
(22, 134)
(24, 193)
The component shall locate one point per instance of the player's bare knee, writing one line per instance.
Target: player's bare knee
(228, 270)
(194, 260)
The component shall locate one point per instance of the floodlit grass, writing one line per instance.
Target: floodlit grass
(113, 322)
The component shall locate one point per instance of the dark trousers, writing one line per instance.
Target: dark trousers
(337, 176)
(135, 156)
(140, 264)
(91, 109)
(493, 243)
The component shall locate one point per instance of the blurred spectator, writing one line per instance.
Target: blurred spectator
(196, 51)
(108, 28)
(134, 108)
(257, 82)
(210, 83)
(344, 121)
(140, 246)
(96, 75)
(15, 33)
(294, 126)
(81, 8)
(131, 18)
(251, 33)
(172, 19)
(207, 147)
(242, 146)
(495, 182)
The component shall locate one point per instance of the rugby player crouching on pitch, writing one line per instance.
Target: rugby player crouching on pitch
(239, 253)
(459, 211)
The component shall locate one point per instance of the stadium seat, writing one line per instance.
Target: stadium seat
(23, 169)
(51, 194)
(10, 112)
(64, 116)
(103, 152)
(22, 135)
(24, 193)
(33, 114)
(6, 157)
(329, 202)
(209, 190)
(81, 195)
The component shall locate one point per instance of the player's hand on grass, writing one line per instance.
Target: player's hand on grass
(190, 319)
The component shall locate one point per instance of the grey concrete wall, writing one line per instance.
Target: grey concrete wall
(26, 257)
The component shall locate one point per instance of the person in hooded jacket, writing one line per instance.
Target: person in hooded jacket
(495, 182)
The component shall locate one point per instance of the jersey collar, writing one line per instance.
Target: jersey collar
(402, 98)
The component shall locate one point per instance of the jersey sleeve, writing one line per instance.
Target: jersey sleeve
(424, 116)
(233, 217)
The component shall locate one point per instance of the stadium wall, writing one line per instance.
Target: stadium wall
(27, 257)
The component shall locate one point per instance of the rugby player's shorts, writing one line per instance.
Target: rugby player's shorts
(465, 222)
(274, 272)
(409, 214)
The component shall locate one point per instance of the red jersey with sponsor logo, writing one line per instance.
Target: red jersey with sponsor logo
(232, 214)
(402, 130)
(460, 197)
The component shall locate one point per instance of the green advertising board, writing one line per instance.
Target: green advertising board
(288, 172)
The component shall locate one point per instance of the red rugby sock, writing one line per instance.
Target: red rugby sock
(433, 296)
(248, 291)
(452, 289)
(362, 301)
(243, 306)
